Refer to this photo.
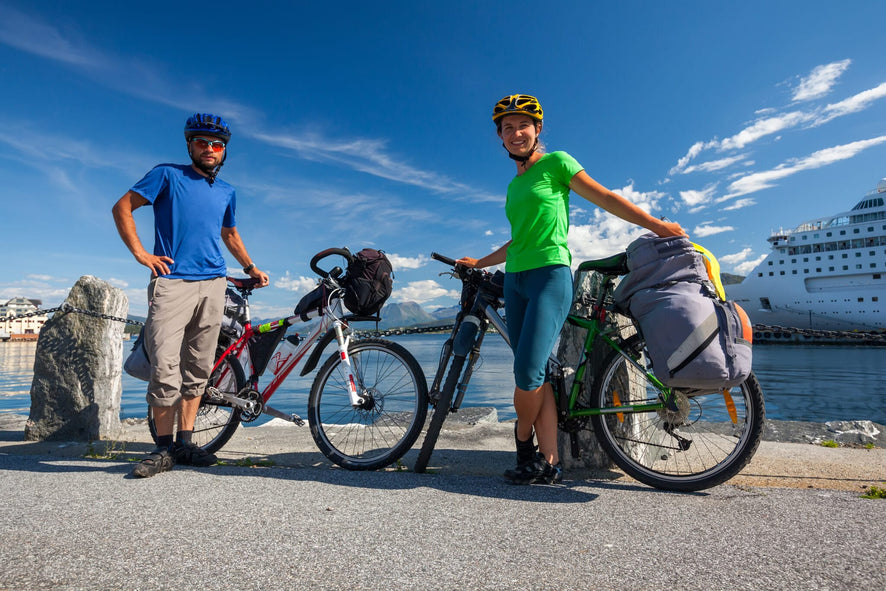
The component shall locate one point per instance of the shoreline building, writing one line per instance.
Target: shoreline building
(15, 328)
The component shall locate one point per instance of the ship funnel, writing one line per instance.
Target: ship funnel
(881, 186)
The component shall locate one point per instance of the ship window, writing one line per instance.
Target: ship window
(805, 259)
(818, 269)
(829, 234)
(876, 276)
(871, 229)
(764, 303)
(858, 254)
(759, 274)
(858, 266)
(856, 230)
(842, 232)
(793, 261)
(845, 256)
(873, 265)
(805, 271)
(830, 268)
(805, 237)
(817, 258)
(875, 298)
(830, 257)
(781, 272)
(845, 267)
(872, 252)
(771, 273)
(770, 263)
(794, 272)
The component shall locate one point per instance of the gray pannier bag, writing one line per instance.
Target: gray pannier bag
(137, 364)
(694, 338)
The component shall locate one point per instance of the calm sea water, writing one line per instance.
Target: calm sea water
(800, 383)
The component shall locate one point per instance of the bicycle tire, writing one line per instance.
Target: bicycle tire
(381, 432)
(441, 411)
(722, 439)
(216, 422)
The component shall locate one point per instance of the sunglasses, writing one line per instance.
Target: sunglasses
(202, 144)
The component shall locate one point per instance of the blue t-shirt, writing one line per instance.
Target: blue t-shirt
(189, 214)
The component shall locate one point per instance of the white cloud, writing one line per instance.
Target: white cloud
(748, 266)
(370, 156)
(399, 262)
(740, 204)
(762, 128)
(705, 230)
(853, 104)
(694, 198)
(737, 257)
(714, 165)
(763, 180)
(300, 285)
(820, 81)
(423, 291)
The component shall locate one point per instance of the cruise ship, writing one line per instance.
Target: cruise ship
(826, 274)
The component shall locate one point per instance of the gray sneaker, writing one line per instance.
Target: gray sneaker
(159, 460)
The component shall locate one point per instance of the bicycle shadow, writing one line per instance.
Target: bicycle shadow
(466, 472)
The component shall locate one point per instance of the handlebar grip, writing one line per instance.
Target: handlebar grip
(329, 252)
(443, 259)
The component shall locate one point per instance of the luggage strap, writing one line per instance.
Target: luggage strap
(694, 344)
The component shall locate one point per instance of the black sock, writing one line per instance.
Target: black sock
(184, 437)
(164, 441)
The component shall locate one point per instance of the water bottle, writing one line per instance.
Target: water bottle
(283, 354)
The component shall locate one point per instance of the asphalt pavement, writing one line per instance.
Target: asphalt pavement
(72, 519)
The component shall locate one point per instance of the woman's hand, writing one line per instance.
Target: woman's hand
(467, 262)
(670, 229)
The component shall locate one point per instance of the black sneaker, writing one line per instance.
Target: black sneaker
(159, 460)
(536, 471)
(189, 454)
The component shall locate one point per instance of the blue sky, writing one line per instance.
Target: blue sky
(368, 124)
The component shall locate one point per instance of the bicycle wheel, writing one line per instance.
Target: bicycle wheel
(707, 441)
(216, 421)
(386, 425)
(441, 411)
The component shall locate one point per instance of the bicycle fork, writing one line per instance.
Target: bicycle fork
(355, 394)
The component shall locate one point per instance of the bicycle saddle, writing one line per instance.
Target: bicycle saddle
(614, 265)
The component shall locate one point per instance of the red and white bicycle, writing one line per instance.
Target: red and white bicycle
(368, 401)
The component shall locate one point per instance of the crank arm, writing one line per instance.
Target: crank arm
(292, 418)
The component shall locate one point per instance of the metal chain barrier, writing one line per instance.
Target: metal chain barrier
(66, 307)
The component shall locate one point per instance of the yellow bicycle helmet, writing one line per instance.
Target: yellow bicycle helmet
(523, 104)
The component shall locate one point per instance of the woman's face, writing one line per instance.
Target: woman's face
(518, 133)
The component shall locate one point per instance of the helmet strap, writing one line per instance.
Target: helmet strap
(522, 160)
(211, 173)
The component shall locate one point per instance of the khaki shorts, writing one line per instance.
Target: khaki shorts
(181, 334)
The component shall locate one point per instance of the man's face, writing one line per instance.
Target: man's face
(206, 152)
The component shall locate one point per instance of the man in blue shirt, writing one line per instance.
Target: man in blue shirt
(192, 211)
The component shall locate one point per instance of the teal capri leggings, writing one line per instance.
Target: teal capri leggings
(536, 305)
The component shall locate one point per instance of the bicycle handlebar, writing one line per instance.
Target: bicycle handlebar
(443, 259)
(329, 252)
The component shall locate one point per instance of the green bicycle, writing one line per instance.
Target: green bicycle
(670, 438)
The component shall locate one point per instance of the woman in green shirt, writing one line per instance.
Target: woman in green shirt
(538, 279)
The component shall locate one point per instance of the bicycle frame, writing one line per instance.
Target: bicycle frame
(484, 312)
(283, 366)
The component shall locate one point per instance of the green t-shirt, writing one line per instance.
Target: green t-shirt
(538, 209)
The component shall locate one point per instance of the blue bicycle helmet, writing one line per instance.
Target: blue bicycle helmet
(207, 124)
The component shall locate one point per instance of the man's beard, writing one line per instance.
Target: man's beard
(208, 169)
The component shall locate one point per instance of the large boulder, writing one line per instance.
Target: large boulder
(76, 390)
(572, 340)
